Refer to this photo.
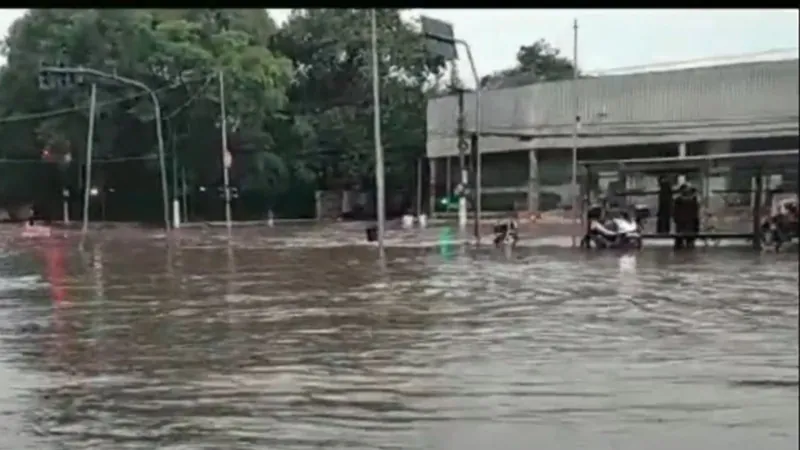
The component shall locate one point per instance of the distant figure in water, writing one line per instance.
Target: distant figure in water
(33, 230)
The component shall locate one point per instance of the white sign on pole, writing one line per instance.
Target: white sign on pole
(227, 159)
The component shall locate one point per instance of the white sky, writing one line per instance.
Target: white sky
(608, 38)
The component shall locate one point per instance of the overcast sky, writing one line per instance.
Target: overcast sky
(608, 38)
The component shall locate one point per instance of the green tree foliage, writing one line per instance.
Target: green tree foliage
(331, 99)
(535, 63)
(298, 99)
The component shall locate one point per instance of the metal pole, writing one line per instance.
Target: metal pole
(462, 152)
(161, 161)
(157, 110)
(176, 207)
(376, 99)
(183, 194)
(419, 186)
(476, 151)
(65, 206)
(89, 149)
(576, 106)
(225, 157)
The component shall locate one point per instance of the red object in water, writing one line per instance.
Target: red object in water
(54, 257)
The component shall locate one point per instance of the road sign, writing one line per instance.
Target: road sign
(439, 38)
(462, 145)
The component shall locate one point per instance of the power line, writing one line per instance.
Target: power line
(62, 111)
(190, 100)
(95, 161)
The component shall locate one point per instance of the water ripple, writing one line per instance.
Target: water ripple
(204, 346)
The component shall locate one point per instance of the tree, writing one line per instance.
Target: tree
(175, 52)
(299, 98)
(536, 63)
(331, 100)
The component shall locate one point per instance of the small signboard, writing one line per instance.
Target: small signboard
(439, 38)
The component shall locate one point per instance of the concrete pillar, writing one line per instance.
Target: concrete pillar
(713, 148)
(533, 181)
(448, 175)
(681, 154)
(432, 189)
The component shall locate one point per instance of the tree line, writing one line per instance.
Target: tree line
(298, 103)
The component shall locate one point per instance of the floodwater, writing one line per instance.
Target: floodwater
(130, 344)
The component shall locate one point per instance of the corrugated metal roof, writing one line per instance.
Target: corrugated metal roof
(687, 104)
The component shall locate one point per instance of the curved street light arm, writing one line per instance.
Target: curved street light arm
(156, 110)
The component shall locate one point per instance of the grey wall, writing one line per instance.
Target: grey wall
(724, 102)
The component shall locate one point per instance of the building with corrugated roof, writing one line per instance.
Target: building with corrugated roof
(527, 131)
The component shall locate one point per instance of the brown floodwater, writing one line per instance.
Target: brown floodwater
(302, 339)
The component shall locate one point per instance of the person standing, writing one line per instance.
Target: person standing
(686, 215)
(665, 199)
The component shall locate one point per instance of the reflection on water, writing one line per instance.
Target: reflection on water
(207, 346)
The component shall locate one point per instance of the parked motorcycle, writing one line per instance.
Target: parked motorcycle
(781, 228)
(505, 233)
(621, 232)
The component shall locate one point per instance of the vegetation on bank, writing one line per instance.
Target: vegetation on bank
(298, 100)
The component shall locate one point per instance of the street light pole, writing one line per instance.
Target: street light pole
(156, 111)
(379, 169)
(441, 41)
(226, 156)
(89, 150)
(475, 142)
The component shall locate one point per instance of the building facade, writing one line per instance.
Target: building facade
(527, 133)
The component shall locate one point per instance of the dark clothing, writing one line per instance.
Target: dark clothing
(686, 215)
(664, 215)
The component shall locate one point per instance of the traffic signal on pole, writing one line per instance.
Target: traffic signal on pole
(49, 79)
(45, 82)
(451, 202)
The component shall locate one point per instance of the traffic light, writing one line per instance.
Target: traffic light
(233, 190)
(449, 202)
(48, 79)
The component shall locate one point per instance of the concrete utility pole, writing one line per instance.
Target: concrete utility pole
(575, 129)
(226, 156)
(376, 106)
(462, 162)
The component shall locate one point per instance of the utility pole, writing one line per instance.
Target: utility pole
(176, 206)
(462, 163)
(184, 194)
(226, 156)
(376, 107)
(89, 149)
(475, 155)
(575, 129)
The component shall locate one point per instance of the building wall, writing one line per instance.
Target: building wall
(507, 177)
(724, 102)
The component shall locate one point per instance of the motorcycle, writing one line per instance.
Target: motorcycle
(617, 233)
(506, 233)
(781, 227)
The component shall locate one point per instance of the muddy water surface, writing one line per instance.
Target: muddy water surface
(287, 344)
